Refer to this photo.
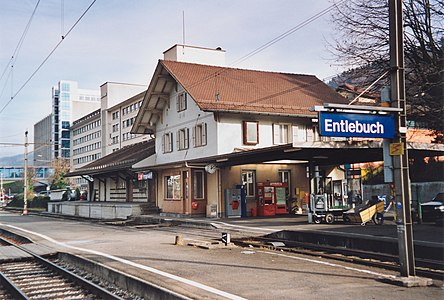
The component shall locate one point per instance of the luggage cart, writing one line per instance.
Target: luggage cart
(373, 210)
(321, 211)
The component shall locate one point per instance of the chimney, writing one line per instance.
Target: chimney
(198, 55)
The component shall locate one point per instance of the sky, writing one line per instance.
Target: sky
(122, 40)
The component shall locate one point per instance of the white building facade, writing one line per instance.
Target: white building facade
(69, 103)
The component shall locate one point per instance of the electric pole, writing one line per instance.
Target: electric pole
(400, 162)
(25, 183)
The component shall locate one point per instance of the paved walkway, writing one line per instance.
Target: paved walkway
(224, 273)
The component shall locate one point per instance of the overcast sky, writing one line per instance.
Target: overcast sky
(122, 40)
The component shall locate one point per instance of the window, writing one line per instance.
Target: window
(115, 115)
(285, 176)
(65, 134)
(183, 139)
(65, 125)
(249, 181)
(198, 184)
(250, 132)
(65, 87)
(116, 127)
(200, 135)
(181, 102)
(172, 187)
(281, 134)
(299, 133)
(167, 142)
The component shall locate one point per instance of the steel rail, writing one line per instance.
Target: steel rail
(427, 268)
(82, 282)
(11, 288)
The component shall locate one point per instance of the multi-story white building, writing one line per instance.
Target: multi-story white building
(119, 107)
(69, 103)
(86, 142)
(106, 129)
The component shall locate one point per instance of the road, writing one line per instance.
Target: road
(235, 273)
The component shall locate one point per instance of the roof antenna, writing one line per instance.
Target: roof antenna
(183, 31)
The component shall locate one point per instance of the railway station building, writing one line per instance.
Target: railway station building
(216, 129)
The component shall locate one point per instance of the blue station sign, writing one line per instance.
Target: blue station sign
(356, 125)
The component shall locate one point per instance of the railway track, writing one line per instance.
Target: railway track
(424, 268)
(39, 278)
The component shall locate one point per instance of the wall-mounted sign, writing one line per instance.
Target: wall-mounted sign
(144, 176)
(356, 125)
(396, 149)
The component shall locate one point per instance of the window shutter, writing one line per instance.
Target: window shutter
(194, 136)
(178, 139)
(185, 101)
(204, 134)
(187, 138)
(178, 102)
(171, 142)
(163, 144)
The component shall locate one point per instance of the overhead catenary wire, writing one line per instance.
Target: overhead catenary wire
(268, 44)
(14, 55)
(47, 57)
(287, 33)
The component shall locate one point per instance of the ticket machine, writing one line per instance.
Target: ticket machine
(271, 198)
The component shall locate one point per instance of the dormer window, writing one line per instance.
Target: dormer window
(181, 102)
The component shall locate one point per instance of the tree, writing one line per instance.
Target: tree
(361, 43)
(58, 179)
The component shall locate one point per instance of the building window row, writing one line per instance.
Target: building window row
(129, 136)
(114, 140)
(87, 148)
(199, 137)
(129, 122)
(115, 115)
(89, 98)
(85, 159)
(130, 108)
(87, 138)
(87, 127)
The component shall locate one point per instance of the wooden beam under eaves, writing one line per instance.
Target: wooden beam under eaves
(160, 94)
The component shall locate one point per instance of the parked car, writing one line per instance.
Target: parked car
(433, 211)
(44, 194)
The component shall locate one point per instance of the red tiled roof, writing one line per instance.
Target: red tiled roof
(229, 89)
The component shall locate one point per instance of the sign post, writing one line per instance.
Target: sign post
(400, 157)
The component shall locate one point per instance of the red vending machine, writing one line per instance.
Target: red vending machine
(271, 198)
(265, 200)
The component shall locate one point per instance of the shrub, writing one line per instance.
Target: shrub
(36, 202)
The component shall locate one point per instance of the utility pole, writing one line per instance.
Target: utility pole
(400, 161)
(25, 184)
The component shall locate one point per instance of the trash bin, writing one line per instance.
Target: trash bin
(254, 212)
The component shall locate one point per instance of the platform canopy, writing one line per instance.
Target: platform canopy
(319, 153)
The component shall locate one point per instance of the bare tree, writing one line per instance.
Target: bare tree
(361, 43)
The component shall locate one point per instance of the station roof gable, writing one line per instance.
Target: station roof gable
(221, 89)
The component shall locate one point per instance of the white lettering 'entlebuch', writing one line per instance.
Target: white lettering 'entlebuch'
(344, 126)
